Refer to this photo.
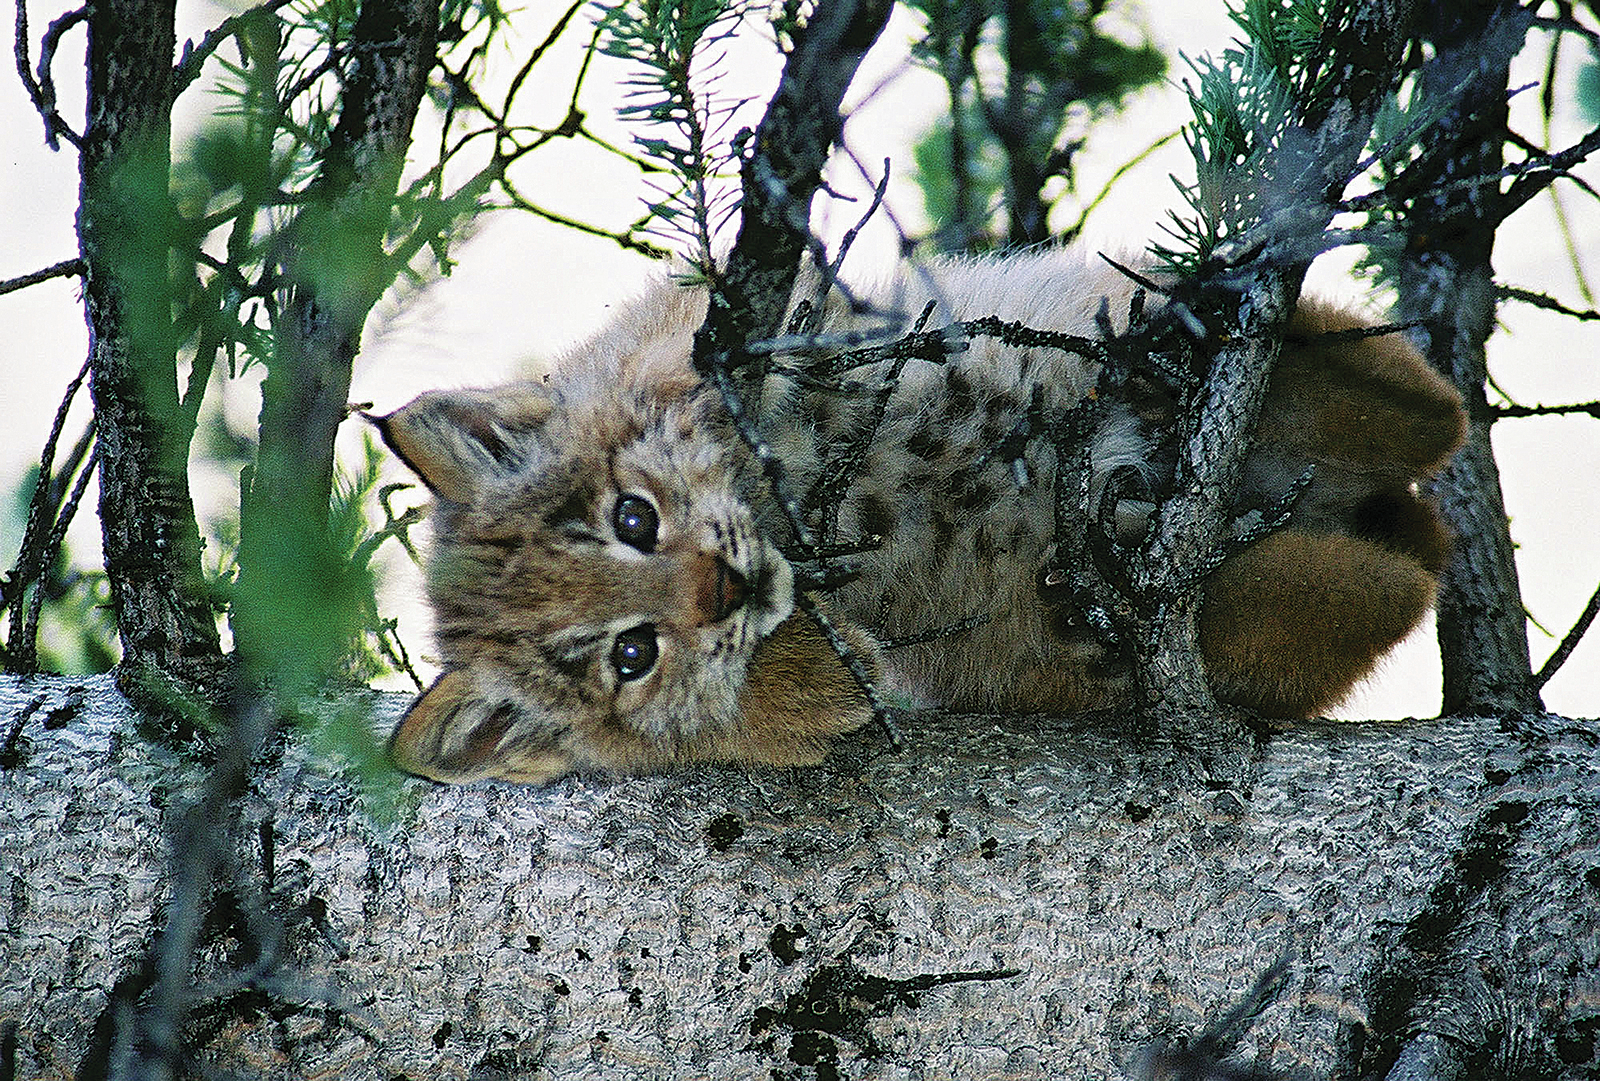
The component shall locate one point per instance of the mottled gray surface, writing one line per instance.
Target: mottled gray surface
(729, 924)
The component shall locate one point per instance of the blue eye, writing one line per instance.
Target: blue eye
(636, 522)
(634, 652)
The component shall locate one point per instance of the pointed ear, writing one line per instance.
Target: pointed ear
(454, 733)
(453, 439)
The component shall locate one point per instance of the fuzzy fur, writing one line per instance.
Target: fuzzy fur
(542, 584)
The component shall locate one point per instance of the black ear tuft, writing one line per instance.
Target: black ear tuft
(454, 733)
(455, 439)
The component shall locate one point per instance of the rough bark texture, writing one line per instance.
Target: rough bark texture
(338, 267)
(784, 169)
(1449, 285)
(1013, 898)
(1262, 270)
(152, 547)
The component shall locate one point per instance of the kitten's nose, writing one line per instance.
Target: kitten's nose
(720, 590)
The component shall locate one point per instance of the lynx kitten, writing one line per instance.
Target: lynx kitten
(608, 571)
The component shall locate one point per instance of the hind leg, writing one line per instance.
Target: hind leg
(1290, 624)
(1373, 403)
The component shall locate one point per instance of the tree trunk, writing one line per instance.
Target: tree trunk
(152, 547)
(336, 267)
(1448, 284)
(1017, 898)
(789, 149)
(1260, 274)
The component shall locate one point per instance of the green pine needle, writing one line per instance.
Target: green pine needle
(1245, 104)
(672, 45)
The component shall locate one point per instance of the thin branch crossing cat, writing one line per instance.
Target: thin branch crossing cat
(614, 582)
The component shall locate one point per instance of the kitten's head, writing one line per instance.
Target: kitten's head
(598, 580)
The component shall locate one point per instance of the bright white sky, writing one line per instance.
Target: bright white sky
(524, 290)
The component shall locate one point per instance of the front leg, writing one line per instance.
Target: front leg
(797, 696)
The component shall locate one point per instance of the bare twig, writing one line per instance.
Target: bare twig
(1541, 300)
(1073, 230)
(626, 240)
(25, 653)
(849, 238)
(44, 514)
(67, 268)
(42, 91)
(1568, 25)
(1540, 171)
(195, 56)
(1513, 411)
(949, 630)
(882, 715)
(538, 53)
(1569, 642)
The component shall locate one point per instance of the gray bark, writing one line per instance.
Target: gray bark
(336, 268)
(1448, 284)
(1006, 898)
(1262, 270)
(152, 547)
(784, 170)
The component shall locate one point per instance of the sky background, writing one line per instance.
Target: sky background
(524, 290)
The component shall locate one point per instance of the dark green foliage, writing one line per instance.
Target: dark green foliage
(1023, 80)
(983, 171)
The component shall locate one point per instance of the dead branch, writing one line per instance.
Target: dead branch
(67, 268)
(1569, 641)
(42, 91)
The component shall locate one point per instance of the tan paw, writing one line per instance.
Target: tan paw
(797, 696)
(455, 732)
(1291, 623)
